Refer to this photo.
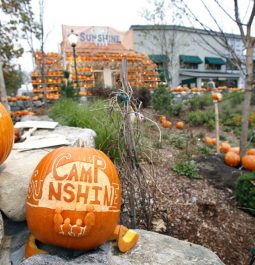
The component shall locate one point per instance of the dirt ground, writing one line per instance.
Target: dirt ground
(204, 211)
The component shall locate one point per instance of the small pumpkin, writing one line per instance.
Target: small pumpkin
(162, 118)
(232, 159)
(210, 140)
(179, 125)
(6, 133)
(235, 149)
(216, 96)
(251, 151)
(225, 147)
(248, 162)
(167, 124)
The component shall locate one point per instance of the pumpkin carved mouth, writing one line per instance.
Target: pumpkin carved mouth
(65, 228)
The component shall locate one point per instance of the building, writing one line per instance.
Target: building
(99, 54)
(187, 56)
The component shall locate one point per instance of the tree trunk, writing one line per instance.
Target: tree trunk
(247, 98)
(3, 94)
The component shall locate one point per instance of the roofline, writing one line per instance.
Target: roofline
(181, 28)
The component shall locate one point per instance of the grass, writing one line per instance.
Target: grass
(95, 116)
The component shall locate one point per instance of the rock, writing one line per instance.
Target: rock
(73, 134)
(15, 174)
(1, 230)
(152, 249)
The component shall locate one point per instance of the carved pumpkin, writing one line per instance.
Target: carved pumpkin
(251, 151)
(216, 96)
(225, 147)
(73, 199)
(248, 162)
(179, 125)
(166, 124)
(232, 159)
(6, 133)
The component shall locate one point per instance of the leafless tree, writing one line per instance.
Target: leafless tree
(244, 22)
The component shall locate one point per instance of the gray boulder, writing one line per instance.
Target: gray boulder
(152, 249)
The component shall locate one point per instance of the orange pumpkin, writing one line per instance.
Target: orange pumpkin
(248, 162)
(209, 140)
(73, 198)
(224, 147)
(251, 151)
(166, 124)
(232, 159)
(179, 125)
(235, 149)
(162, 119)
(216, 96)
(6, 133)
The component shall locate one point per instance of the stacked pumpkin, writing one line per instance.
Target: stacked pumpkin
(164, 122)
(6, 134)
(233, 159)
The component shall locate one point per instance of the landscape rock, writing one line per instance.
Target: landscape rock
(152, 249)
(1, 229)
(15, 173)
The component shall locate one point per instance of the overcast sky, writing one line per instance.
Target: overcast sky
(119, 14)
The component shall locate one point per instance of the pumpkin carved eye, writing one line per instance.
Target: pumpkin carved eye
(6, 134)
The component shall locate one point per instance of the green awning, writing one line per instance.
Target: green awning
(190, 59)
(159, 58)
(214, 60)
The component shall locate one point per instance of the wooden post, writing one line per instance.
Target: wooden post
(3, 94)
(217, 126)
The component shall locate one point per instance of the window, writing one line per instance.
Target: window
(213, 63)
(189, 62)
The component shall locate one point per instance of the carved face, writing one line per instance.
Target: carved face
(6, 134)
(73, 198)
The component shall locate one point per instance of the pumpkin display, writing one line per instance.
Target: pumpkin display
(6, 133)
(248, 162)
(166, 124)
(216, 96)
(251, 151)
(73, 201)
(179, 125)
(225, 147)
(232, 159)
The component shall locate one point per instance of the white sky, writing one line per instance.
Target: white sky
(119, 14)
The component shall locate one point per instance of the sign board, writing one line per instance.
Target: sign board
(97, 37)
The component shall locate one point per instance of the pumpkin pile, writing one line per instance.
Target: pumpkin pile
(233, 159)
(165, 122)
(6, 133)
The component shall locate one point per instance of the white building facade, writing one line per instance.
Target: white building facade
(191, 56)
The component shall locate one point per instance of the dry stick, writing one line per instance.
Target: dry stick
(217, 127)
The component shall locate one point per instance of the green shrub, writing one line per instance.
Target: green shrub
(162, 100)
(202, 118)
(245, 191)
(67, 89)
(143, 95)
(90, 115)
(199, 102)
(188, 169)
